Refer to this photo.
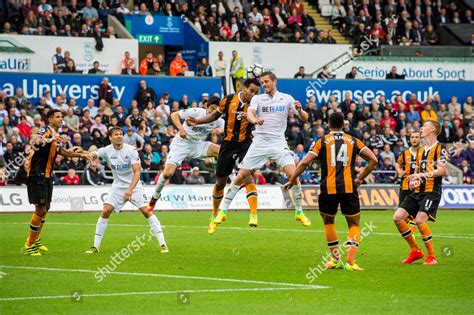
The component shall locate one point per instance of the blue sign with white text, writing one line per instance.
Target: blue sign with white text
(82, 87)
(156, 29)
(322, 89)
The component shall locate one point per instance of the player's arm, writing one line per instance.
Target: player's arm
(439, 171)
(302, 166)
(192, 121)
(399, 165)
(370, 157)
(177, 122)
(71, 153)
(252, 117)
(302, 115)
(136, 168)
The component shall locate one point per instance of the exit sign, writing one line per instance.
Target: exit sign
(149, 39)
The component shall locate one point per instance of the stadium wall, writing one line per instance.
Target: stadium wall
(35, 55)
(83, 87)
(183, 197)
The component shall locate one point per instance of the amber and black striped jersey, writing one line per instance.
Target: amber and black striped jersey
(427, 160)
(407, 162)
(42, 156)
(236, 128)
(337, 152)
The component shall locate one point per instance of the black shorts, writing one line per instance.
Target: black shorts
(350, 204)
(422, 202)
(40, 190)
(402, 195)
(230, 154)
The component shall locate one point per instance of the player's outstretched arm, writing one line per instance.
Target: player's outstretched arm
(70, 153)
(302, 165)
(370, 157)
(192, 121)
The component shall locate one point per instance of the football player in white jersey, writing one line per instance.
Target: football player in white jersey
(189, 144)
(269, 113)
(124, 161)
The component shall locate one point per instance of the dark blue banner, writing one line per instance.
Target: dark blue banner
(156, 30)
(457, 197)
(83, 87)
(322, 89)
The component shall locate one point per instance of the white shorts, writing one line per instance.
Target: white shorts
(262, 150)
(115, 198)
(181, 149)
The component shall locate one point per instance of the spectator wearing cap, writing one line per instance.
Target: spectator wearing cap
(177, 65)
(147, 63)
(195, 178)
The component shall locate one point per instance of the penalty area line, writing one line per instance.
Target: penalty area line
(81, 296)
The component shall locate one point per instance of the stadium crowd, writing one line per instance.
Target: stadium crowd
(389, 22)
(383, 126)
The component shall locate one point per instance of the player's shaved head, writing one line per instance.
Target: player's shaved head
(336, 121)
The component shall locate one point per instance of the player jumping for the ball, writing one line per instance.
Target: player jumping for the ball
(125, 163)
(422, 203)
(269, 113)
(189, 144)
(236, 142)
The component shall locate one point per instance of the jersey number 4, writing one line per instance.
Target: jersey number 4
(340, 156)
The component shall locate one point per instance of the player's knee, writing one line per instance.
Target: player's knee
(220, 184)
(167, 174)
(398, 216)
(420, 220)
(41, 210)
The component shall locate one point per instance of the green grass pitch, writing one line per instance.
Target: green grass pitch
(237, 270)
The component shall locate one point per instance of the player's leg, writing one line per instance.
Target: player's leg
(428, 208)
(350, 208)
(217, 196)
(167, 173)
(252, 199)
(231, 193)
(399, 219)
(39, 193)
(328, 209)
(409, 220)
(102, 222)
(296, 191)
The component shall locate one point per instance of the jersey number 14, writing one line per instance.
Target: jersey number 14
(341, 155)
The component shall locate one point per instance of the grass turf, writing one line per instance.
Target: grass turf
(280, 250)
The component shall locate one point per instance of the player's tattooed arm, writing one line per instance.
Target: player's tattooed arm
(192, 121)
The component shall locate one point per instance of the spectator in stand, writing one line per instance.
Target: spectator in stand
(144, 95)
(98, 125)
(393, 75)
(59, 63)
(89, 12)
(105, 91)
(468, 108)
(338, 15)
(71, 178)
(300, 74)
(386, 173)
(177, 65)
(147, 63)
(195, 178)
(204, 68)
(454, 106)
(128, 62)
(95, 68)
(418, 106)
(428, 114)
(448, 134)
(352, 74)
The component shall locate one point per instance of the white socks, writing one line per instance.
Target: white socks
(229, 196)
(156, 229)
(159, 186)
(297, 197)
(100, 231)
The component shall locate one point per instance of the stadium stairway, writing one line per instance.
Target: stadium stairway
(323, 23)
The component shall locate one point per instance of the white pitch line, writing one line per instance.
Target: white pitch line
(149, 293)
(169, 276)
(454, 236)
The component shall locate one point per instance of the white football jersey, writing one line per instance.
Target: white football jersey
(274, 111)
(120, 162)
(198, 132)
